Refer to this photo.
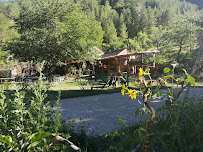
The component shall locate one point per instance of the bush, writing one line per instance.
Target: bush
(25, 122)
(179, 126)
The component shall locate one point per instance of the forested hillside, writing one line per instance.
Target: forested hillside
(199, 3)
(61, 31)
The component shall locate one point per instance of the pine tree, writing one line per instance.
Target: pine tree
(121, 19)
(123, 32)
(144, 20)
(110, 33)
(128, 20)
(151, 20)
(135, 22)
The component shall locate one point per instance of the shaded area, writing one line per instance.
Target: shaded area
(52, 95)
(65, 94)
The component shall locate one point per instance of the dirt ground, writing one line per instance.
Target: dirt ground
(98, 114)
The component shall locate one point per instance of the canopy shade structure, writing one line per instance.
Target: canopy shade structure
(129, 54)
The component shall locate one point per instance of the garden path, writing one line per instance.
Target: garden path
(97, 114)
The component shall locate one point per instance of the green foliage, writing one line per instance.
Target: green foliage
(26, 123)
(57, 32)
(7, 12)
(143, 40)
(123, 32)
(110, 33)
(189, 79)
(181, 128)
(166, 70)
(138, 16)
(60, 38)
(6, 139)
(170, 118)
(182, 32)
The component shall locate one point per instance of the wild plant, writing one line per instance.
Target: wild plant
(179, 121)
(145, 134)
(25, 124)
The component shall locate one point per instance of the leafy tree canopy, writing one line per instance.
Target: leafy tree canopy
(54, 31)
(59, 31)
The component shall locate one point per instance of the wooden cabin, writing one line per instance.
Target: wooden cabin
(123, 60)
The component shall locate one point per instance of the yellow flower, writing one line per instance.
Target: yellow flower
(135, 82)
(140, 73)
(123, 86)
(123, 91)
(132, 94)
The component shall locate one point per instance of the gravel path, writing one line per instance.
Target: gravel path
(97, 114)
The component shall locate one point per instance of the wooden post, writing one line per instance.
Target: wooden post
(153, 60)
(119, 67)
(127, 70)
(93, 68)
(135, 70)
(142, 60)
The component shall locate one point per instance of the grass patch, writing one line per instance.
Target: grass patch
(72, 89)
(52, 95)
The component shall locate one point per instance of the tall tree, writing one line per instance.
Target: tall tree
(143, 40)
(182, 32)
(152, 21)
(123, 32)
(144, 20)
(110, 33)
(55, 31)
(128, 20)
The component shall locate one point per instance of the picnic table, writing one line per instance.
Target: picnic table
(30, 78)
(99, 82)
(86, 81)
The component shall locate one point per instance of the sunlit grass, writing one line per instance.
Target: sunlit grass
(72, 88)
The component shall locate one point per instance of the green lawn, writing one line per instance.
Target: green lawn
(72, 89)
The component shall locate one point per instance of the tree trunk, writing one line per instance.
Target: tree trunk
(198, 63)
(65, 68)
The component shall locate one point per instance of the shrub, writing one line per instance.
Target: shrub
(25, 122)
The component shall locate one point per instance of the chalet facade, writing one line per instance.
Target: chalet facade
(116, 62)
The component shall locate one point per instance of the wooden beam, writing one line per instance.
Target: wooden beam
(142, 60)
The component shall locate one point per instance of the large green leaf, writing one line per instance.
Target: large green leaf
(6, 139)
(147, 70)
(191, 80)
(166, 70)
(169, 76)
(33, 144)
(185, 71)
(40, 135)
